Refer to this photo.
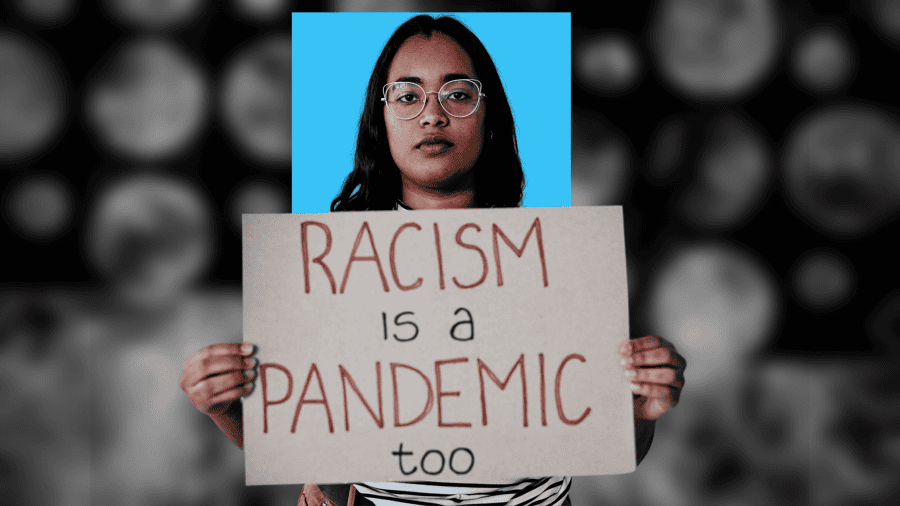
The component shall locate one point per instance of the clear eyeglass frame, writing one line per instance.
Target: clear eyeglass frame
(425, 94)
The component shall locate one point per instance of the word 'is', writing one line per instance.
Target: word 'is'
(433, 393)
(497, 233)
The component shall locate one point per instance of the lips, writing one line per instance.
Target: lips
(434, 140)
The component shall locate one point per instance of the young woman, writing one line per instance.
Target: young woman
(436, 133)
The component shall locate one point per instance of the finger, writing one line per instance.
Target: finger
(682, 363)
(660, 376)
(648, 343)
(216, 350)
(655, 390)
(211, 387)
(654, 357)
(216, 365)
(207, 395)
(229, 395)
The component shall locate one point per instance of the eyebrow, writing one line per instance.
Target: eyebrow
(445, 79)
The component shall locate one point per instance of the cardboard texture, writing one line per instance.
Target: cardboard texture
(365, 349)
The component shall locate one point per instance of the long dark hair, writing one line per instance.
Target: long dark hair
(374, 183)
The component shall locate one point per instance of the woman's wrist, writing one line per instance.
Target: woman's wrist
(231, 422)
(643, 437)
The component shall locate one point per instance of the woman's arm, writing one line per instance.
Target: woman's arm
(231, 422)
(643, 437)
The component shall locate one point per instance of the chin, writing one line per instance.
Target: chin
(443, 178)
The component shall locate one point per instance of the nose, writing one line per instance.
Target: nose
(433, 114)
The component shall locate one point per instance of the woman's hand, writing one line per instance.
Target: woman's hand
(218, 375)
(656, 371)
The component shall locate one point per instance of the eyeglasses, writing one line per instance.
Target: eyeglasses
(460, 98)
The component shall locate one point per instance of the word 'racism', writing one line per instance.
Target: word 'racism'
(497, 233)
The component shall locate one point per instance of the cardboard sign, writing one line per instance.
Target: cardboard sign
(452, 345)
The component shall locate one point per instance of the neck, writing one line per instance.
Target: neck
(418, 198)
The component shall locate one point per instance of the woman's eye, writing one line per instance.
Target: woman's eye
(407, 98)
(458, 96)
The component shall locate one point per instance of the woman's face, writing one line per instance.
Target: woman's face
(445, 167)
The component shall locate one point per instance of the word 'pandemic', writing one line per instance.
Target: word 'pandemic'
(497, 232)
(435, 392)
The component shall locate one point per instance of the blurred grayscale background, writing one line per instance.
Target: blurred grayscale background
(754, 145)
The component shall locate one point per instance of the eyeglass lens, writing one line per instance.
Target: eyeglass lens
(406, 100)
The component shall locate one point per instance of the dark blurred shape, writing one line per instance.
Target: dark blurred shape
(698, 457)
(537, 5)
(856, 429)
(32, 97)
(726, 476)
(43, 403)
(29, 319)
(718, 470)
(823, 279)
(715, 50)
(149, 101)
(633, 274)
(668, 146)
(831, 428)
(608, 63)
(439, 5)
(149, 235)
(823, 60)
(154, 14)
(776, 413)
(256, 196)
(884, 16)
(262, 11)
(883, 325)
(255, 98)
(842, 169)
(39, 206)
(718, 305)
(379, 6)
(602, 161)
(436, 5)
(46, 13)
(733, 174)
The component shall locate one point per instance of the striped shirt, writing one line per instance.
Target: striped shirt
(546, 491)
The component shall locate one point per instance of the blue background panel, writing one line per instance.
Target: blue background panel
(333, 57)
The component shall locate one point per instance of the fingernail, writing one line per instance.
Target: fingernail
(249, 362)
(623, 348)
(627, 361)
(250, 373)
(630, 373)
(247, 348)
(635, 386)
